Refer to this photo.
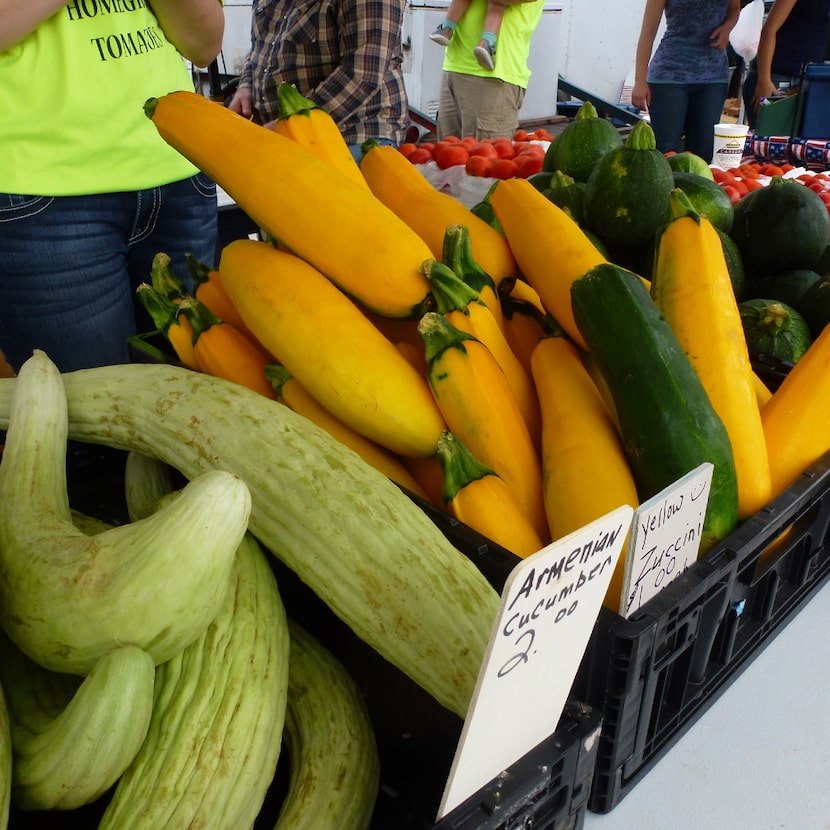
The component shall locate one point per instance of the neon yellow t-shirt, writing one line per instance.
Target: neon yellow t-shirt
(512, 48)
(72, 94)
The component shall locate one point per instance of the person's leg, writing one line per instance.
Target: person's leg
(175, 219)
(449, 114)
(443, 33)
(705, 110)
(487, 107)
(748, 93)
(64, 287)
(485, 52)
(667, 112)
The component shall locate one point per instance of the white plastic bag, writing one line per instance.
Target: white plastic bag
(747, 32)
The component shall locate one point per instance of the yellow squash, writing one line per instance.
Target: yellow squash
(796, 419)
(586, 471)
(690, 285)
(462, 307)
(223, 351)
(294, 395)
(551, 249)
(326, 342)
(406, 191)
(319, 214)
(301, 120)
(479, 498)
(458, 256)
(172, 322)
(479, 407)
(524, 327)
(208, 290)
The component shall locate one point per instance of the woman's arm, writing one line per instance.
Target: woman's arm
(719, 38)
(779, 12)
(20, 19)
(652, 14)
(194, 27)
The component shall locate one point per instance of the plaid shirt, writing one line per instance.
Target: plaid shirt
(345, 55)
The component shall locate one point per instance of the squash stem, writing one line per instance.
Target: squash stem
(459, 466)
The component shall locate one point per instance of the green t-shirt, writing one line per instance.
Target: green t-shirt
(512, 49)
(72, 93)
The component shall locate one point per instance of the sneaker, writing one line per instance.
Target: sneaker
(441, 35)
(485, 55)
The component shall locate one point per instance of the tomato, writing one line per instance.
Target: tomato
(451, 155)
(732, 193)
(421, 155)
(503, 168)
(722, 176)
(670, 153)
(528, 164)
(452, 139)
(407, 149)
(752, 184)
(504, 148)
(521, 135)
(749, 171)
(484, 148)
(469, 141)
(770, 169)
(478, 166)
(529, 150)
(541, 134)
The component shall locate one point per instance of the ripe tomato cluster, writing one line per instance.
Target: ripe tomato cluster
(500, 158)
(751, 175)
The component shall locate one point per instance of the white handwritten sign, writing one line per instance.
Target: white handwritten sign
(548, 609)
(665, 538)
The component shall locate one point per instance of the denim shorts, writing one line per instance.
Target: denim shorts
(70, 265)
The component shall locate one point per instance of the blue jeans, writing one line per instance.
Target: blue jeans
(69, 266)
(683, 116)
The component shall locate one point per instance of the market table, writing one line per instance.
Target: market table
(760, 757)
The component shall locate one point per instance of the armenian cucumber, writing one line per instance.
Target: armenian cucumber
(335, 767)
(345, 529)
(667, 421)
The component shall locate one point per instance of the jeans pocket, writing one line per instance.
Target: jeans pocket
(14, 206)
(204, 185)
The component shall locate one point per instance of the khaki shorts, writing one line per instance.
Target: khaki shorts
(481, 107)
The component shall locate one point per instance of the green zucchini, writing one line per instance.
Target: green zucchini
(667, 421)
(346, 530)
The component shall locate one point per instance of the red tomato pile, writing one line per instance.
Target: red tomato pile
(499, 158)
(751, 175)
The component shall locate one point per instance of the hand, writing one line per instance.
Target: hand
(641, 95)
(763, 89)
(241, 102)
(719, 39)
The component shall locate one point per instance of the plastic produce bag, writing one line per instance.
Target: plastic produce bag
(747, 32)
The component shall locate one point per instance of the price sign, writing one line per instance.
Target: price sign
(665, 537)
(548, 609)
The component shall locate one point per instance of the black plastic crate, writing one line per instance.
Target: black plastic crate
(654, 675)
(547, 789)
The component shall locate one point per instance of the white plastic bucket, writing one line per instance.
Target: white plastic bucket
(730, 140)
